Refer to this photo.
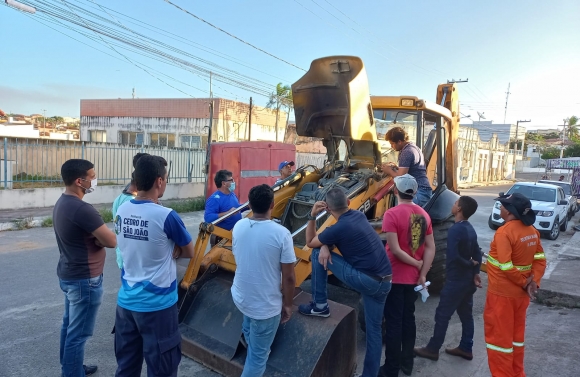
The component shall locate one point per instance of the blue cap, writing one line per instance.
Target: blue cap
(284, 163)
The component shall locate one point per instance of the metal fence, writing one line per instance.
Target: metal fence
(36, 163)
(28, 163)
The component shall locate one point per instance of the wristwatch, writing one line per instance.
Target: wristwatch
(310, 217)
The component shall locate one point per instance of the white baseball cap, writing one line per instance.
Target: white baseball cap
(406, 184)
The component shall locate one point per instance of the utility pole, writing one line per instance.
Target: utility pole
(209, 136)
(250, 122)
(516, 146)
(507, 96)
(563, 138)
(44, 118)
(133, 93)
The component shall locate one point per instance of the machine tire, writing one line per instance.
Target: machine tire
(554, 232)
(491, 225)
(436, 274)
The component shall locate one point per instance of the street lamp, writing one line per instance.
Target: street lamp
(516, 146)
(20, 6)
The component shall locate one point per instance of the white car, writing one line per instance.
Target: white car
(572, 199)
(548, 202)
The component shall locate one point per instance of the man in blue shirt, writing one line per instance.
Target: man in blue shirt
(285, 169)
(223, 201)
(411, 161)
(363, 266)
(462, 269)
(150, 238)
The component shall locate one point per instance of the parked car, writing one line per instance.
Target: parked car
(548, 202)
(572, 199)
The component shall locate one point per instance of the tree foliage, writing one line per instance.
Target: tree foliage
(550, 152)
(281, 97)
(572, 150)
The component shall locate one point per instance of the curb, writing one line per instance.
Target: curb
(552, 298)
(485, 184)
(34, 222)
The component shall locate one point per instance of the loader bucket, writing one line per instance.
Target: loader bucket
(304, 347)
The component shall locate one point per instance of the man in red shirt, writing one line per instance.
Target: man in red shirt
(411, 249)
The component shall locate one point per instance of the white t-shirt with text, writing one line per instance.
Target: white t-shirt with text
(259, 246)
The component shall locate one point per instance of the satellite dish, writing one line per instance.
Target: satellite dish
(480, 115)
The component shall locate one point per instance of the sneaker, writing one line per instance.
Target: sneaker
(90, 369)
(311, 309)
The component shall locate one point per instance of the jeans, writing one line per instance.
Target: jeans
(374, 294)
(401, 330)
(259, 335)
(422, 196)
(456, 295)
(151, 335)
(82, 299)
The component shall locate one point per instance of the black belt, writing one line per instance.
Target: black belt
(380, 279)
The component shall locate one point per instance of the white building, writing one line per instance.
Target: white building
(181, 123)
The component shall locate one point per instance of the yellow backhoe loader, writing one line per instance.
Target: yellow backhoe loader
(331, 102)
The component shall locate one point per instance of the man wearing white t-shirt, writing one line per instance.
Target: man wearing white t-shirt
(265, 259)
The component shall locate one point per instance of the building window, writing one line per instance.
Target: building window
(193, 141)
(98, 136)
(162, 140)
(131, 138)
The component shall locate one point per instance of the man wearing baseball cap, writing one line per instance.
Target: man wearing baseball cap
(516, 263)
(285, 169)
(411, 249)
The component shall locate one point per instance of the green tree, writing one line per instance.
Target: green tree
(550, 152)
(278, 99)
(572, 132)
(572, 150)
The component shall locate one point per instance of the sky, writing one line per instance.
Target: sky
(408, 49)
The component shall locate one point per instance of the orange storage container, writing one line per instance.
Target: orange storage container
(251, 162)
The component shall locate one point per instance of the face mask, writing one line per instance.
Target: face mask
(92, 188)
(232, 187)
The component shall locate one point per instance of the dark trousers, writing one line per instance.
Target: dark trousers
(455, 296)
(153, 336)
(400, 328)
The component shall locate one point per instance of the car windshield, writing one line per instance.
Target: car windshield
(542, 194)
(565, 186)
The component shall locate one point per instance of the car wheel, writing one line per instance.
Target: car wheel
(555, 232)
(564, 225)
(492, 226)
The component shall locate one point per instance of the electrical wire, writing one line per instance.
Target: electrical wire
(233, 36)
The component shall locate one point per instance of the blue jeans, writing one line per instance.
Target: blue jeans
(456, 295)
(374, 294)
(259, 335)
(82, 299)
(422, 196)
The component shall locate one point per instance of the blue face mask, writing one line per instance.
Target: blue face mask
(232, 187)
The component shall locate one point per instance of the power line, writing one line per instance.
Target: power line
(233, 36)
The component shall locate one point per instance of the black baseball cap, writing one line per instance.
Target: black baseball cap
(520, 206)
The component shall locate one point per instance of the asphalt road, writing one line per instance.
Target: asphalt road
(31, 311)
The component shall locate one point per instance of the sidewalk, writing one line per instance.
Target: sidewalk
(560, 285)
(484, 184)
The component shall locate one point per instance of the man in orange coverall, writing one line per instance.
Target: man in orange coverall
(516, 263)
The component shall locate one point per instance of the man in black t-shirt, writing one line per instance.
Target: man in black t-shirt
(81, 236)
(363, 266)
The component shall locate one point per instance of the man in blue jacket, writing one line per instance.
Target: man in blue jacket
(462, 268)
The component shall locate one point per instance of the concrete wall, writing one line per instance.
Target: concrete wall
(16, 130)
(46, 197)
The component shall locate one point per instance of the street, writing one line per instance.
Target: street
(31, 305)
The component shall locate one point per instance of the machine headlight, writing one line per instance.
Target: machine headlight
(407, 102)
(545, 213)
(497, 205)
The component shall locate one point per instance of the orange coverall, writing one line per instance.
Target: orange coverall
(515, 254)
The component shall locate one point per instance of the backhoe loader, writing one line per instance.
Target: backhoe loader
(331, 102)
